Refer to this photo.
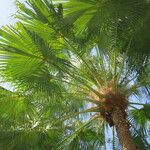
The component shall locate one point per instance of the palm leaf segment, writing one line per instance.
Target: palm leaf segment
(61, 60)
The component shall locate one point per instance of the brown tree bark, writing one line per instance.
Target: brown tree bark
(122, 129)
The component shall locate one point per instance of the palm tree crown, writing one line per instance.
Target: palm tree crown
(74, 65)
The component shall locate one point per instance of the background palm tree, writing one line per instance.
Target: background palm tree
(73, 69)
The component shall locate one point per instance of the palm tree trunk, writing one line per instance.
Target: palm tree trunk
(122, 129)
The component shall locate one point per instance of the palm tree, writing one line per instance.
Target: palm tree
(79, 76)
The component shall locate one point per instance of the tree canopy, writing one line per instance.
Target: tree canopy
(63, 59)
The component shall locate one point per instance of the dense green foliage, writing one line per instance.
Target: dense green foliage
(56, 55)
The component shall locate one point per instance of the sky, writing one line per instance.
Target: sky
(7, 9)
